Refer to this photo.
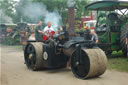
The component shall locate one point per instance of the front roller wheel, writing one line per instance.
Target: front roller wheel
(89, 63)
(33, 55)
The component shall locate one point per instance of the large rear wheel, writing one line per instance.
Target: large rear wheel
(123, 39)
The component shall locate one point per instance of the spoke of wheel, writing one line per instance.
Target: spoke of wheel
(33, 58)
(30, 49)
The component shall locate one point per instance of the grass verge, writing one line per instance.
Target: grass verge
(118, 62)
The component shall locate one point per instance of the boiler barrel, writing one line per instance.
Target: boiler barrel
(89, 63)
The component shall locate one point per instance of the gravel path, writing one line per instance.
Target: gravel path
(14, 72)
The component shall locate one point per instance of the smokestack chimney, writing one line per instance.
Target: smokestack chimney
(71, 18)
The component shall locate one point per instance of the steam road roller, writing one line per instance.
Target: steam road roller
(87, 60)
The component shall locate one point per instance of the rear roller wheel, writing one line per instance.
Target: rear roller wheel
(123, 39)
(89, 63)
(33, 55)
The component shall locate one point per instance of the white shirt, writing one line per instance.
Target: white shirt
(51, 28)
(31, 38)
(48, 29)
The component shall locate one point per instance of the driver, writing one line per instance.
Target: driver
(38, 31)
(48, 30)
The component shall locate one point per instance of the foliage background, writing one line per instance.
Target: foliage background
(13, 9)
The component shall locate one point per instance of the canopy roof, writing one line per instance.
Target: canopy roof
(107, 5)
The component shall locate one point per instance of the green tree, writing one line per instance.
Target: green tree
(80, 8)
(7, 8)
(19, 10)
(62, 7)
(15, 9)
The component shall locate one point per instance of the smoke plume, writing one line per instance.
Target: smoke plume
(34, 10)
(54, 18)
(37, 11)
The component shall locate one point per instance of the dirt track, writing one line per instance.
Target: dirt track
(14, 72)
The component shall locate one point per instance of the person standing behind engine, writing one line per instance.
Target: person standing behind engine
(94, 36)
(38, 31)
(32, 36)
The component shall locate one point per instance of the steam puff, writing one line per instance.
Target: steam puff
(4, 18)
(54, 18)
(35, 11)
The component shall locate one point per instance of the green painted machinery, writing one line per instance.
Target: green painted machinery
(112, 24)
